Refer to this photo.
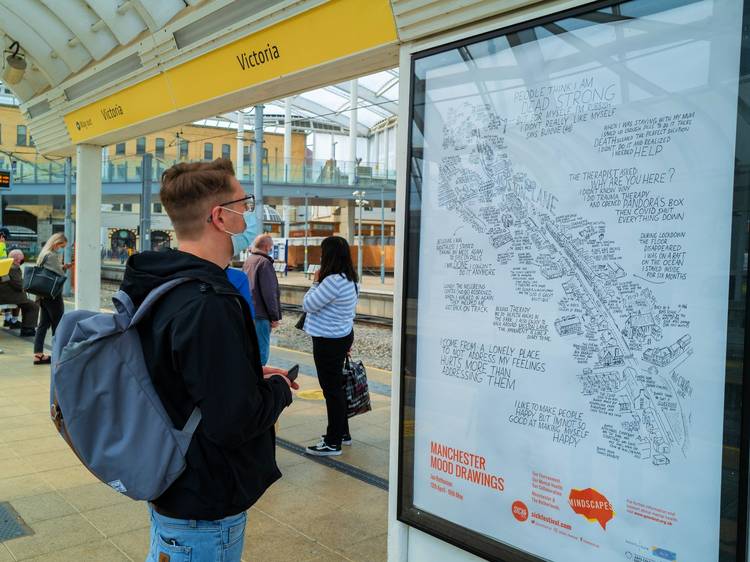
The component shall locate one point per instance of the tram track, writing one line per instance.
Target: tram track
(365, 319)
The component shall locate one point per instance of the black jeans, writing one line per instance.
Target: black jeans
(51, 310)
(329, 355)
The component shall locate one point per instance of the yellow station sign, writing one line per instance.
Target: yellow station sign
(333, 30)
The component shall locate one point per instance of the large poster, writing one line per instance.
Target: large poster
(576, 200)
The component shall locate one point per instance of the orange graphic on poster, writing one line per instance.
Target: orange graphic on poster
(592, 505)
(520, 511)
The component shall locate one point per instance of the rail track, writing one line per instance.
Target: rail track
(110, 284)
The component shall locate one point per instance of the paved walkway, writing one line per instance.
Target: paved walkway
(314, 513)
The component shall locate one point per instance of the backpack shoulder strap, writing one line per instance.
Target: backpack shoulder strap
(193, 421)
(154, 296)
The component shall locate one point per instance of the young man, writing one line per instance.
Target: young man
(266, 295)
(201, 346)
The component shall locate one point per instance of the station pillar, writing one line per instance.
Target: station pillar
(287, 139)
(88, 259)
(346, 226)
(353, 100)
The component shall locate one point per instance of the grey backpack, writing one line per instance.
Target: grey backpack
(105, 406)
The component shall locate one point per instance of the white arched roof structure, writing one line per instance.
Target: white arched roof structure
(327, 109)
(60, 38)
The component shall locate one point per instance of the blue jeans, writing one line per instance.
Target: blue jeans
(187, 540)
(263, 328)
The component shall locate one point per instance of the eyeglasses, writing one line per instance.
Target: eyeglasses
(248, 204)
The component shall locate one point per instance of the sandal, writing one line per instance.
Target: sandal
(42, 359)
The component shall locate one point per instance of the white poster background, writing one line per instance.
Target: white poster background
(676, 63)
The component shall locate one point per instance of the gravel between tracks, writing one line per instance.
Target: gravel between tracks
(372, 344)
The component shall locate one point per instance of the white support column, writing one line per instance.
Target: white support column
(347, 221)
(387, 151)
(287, 138)
(285, 217)
(258, 181)
(398, 532)
(88, 224)
(353, 132)
(105, 161)
(239, 172)
(378, 167)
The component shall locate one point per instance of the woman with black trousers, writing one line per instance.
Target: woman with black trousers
(330, 306)
(50, 310)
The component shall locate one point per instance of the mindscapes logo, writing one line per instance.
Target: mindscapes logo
(520, 511)
(592, 505)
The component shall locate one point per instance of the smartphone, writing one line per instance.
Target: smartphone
(292, 373)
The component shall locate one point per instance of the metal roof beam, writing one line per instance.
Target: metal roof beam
(387, 86)
(380, 105)
(325, 113)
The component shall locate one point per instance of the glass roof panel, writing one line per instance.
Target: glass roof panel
(327, 98)
(371, 107)
(375, 82)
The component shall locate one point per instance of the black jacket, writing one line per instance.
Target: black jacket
(201, 348)
(265, 287)
(11, 289)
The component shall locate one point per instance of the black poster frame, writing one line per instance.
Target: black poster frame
(443, 529)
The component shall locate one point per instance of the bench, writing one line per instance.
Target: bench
(312, 269)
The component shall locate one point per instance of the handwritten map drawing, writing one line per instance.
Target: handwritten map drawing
(629, 373)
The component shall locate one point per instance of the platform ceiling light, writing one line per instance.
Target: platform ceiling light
(15, 65)
(220, 19)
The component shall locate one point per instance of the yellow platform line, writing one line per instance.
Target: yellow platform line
(305, 354)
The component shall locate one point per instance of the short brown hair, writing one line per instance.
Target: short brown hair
(262, 240)
(188, 189)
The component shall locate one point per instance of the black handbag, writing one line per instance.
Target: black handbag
(356, 388)
(42, 282)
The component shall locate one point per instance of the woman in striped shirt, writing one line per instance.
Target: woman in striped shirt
(330, 306)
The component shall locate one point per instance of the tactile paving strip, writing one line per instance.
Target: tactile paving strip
(11, 524)
(353, 471)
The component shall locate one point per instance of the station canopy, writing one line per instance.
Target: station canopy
(85, 71)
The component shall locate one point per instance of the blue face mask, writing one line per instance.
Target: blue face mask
(242, 240)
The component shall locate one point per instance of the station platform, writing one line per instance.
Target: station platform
(370, 283)
(321, 510)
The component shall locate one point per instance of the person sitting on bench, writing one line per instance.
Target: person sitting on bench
(11, 292)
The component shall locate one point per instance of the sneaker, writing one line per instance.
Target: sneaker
(323, 449)
(345, 440)
(28, 332)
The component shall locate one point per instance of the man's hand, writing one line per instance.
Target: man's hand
(269, 372)
(292, 385)
(275, 324)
